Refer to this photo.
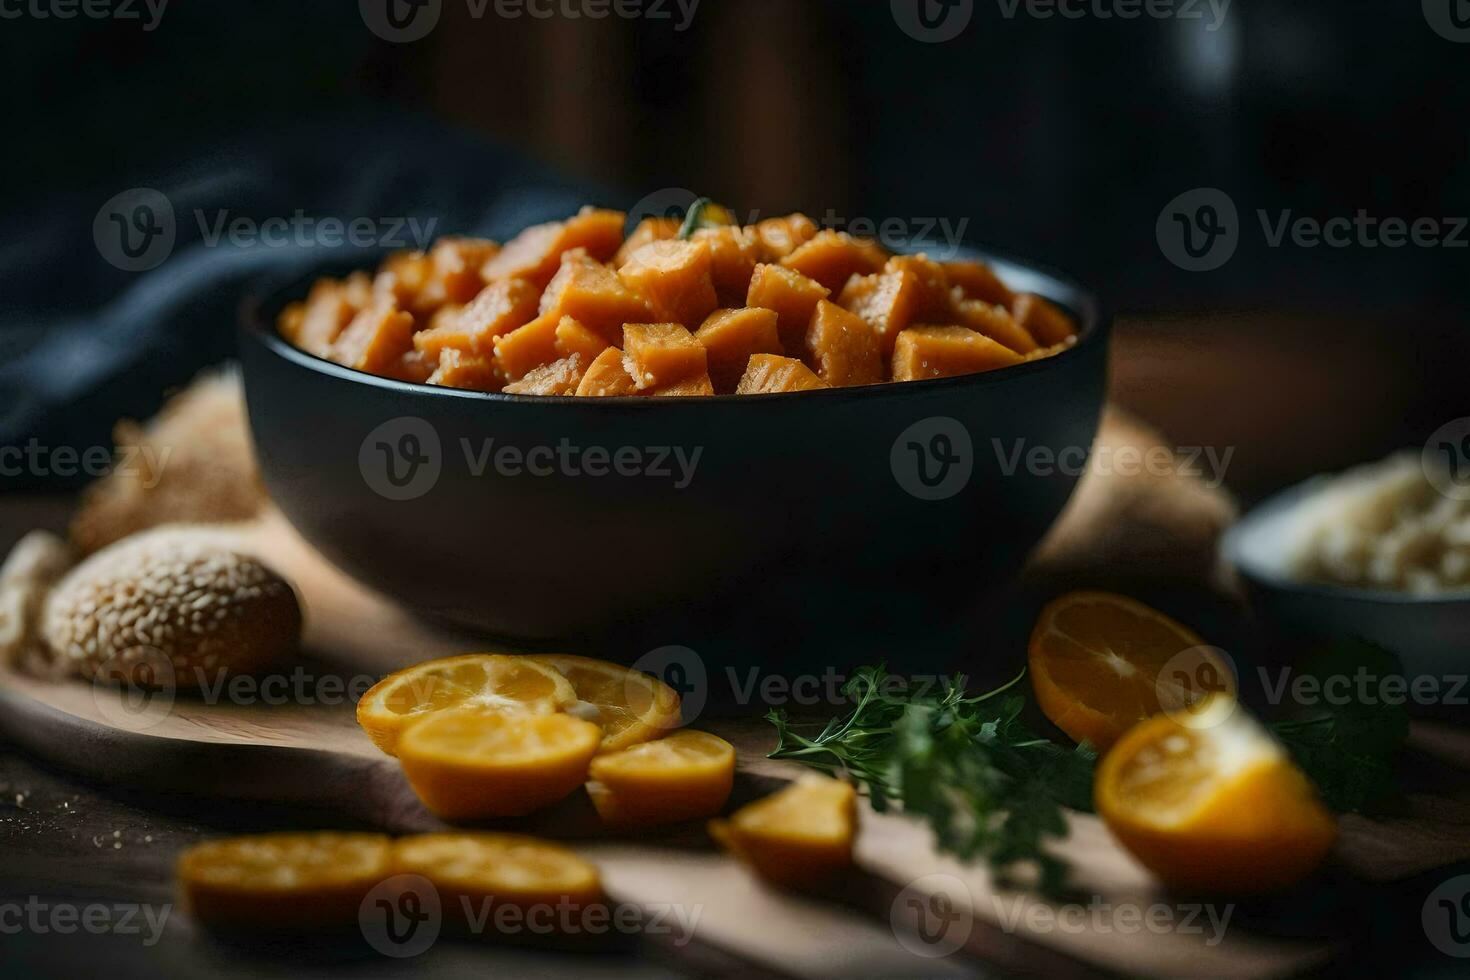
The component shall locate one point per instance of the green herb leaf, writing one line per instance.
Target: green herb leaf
(703, 213)
(988, 787)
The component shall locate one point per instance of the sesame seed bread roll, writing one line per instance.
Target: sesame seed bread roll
(174, 599)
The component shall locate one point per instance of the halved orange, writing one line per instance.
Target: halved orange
(289, 881)
(628, 704)
(1216, 807)
(490, 681)
(687, 775)
(473, 763)
(478, 875)
(1101, 662)
(795, 837)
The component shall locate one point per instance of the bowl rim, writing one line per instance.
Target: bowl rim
(1232, 550)
(264, 298)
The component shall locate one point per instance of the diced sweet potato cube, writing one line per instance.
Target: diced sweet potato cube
(404, 279)
(731, 336)
(606, 377)
(831, 257)
(444, 316)
(593, 295)
(557, 378)
(573, 337)
(414, 366)
(779, 237)
(535, 253)
(978, 281)
(526, 348)
(942, 352)
(910, 290)
(767, 374)
(456, 263)
(375, 339)
(658, 354)
(842, 348)
(676, 277)
(460, 370)
(1042, 319)
(933, 301)
(688, 388)
(996, 323)
(791, 295)
(315, 324)
(648, 230)
(497, 309)
(733, 254)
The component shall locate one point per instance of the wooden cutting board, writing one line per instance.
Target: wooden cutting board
(308, 751)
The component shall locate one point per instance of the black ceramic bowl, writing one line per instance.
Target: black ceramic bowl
(842, 522)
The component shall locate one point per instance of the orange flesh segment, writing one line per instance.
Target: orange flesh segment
(498, 869)
(687, 775)
(797, 836)
(630, 705)
(1096, 660)
(469, 763)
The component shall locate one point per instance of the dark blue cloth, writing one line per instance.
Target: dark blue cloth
(83, 343)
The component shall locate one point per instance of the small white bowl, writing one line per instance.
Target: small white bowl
(1429, 634)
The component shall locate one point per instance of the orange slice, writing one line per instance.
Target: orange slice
(292, 882)
(479, 875)
(630, 705)
(798, 836)
(1213, 807)
(490, 681)
(1100, 663)
(471, 763)
(685, 776)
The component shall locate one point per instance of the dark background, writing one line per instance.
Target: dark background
(1054, 138)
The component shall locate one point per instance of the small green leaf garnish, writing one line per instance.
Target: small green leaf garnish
(703, 213)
